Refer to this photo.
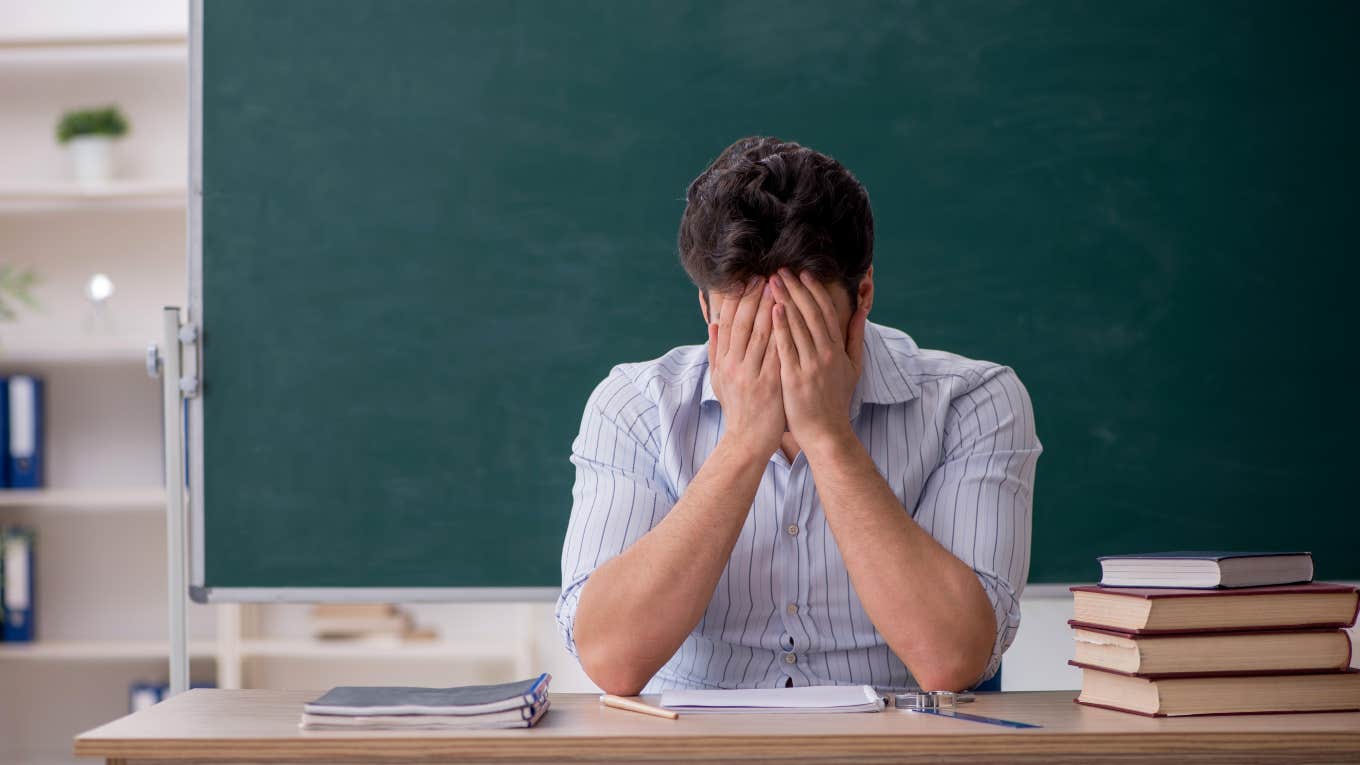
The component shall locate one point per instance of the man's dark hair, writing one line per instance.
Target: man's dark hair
(766, 204)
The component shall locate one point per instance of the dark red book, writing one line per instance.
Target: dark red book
(1153, 611)
(1221, 695)
(1216, 653)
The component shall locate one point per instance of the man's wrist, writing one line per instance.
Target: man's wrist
(830, 443)
(743, 448)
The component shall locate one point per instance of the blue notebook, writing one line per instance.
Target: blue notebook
(462, 700)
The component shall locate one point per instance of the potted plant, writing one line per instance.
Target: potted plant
(16, 287)
(89, 134)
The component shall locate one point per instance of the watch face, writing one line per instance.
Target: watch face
(927, 700)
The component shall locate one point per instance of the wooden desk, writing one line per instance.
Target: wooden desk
(221, 726)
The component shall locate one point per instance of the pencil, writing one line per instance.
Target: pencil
(630, 705)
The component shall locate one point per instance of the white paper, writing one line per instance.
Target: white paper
(815, 698)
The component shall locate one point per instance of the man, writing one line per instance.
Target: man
(808, 498)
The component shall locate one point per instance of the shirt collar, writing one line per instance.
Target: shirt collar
(882, 381)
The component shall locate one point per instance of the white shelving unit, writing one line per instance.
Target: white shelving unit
(100, 550)
(101, 602)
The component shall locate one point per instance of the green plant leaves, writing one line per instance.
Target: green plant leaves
(107, 120)
(16, 286)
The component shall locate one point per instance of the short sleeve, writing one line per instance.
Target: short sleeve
(618, 494)
(978, 501)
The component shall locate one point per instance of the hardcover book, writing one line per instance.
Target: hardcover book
(1150, 610)
(1212, 652)
(1243, 694)
(1206, 569)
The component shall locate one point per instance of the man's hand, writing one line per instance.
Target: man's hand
(818, 366)
(744, 368)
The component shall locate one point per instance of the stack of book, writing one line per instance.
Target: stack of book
(1215, 633)
(519, 704)
(359, 620)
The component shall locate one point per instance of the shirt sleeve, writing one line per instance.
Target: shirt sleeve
(978, 501)
(619, 493)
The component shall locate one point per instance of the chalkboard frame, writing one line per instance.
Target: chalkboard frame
(194, 406)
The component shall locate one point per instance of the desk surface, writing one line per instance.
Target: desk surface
(256, 726)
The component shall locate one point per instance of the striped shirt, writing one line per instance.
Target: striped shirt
(953, 437)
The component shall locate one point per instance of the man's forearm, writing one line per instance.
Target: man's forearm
(637, 608)
(928, 605)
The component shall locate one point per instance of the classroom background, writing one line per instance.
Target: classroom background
(85, 267)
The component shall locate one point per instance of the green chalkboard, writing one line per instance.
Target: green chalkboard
(430, 228)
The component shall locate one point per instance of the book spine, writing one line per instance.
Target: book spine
(25, 432)
(19, 591)
(4, 432)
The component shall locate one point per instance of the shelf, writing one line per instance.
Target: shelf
(136, 498)
(100, 650)
(284, 648)
(128, 352)
(375, 648)
(44, 758)
(116, 195)
(94, 53)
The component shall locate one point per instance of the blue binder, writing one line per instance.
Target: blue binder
(4, 432)
(25, 394)
(17, 544)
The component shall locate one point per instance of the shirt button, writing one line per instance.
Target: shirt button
(792, 609)
(790, 658)
(793, 529)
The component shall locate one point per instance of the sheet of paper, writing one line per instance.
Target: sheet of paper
(816, 698)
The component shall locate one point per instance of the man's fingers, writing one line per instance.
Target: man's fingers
(770, 363)
(729, 305)
(712, 346)
(783, 340)
(807, 308)
(760, 330)
(745, 317)
(854, 337)
(798, 328)
(818, 292)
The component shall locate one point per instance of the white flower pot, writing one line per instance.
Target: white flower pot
(91, 159)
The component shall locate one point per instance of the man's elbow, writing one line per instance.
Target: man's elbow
(958, 677)
(610, 671)
(957, 671)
